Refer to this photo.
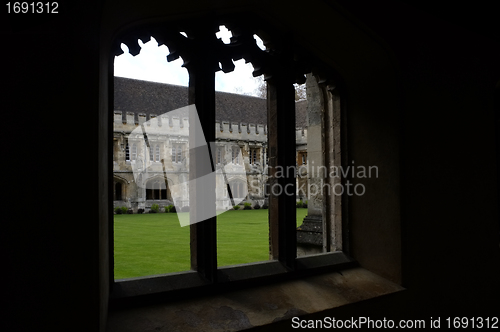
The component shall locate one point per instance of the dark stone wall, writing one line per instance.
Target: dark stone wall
(50, 98)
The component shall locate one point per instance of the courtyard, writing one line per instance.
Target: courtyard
(154, 243)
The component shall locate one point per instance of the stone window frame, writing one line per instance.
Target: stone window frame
(127, 151)
(219, 154)
(370, 75)
(283, 249)
(302, 158)
(151, 155)
(253, 156)
(235, 154)
(134, 152)
(154, 153)
(177, 152)
(157, 153)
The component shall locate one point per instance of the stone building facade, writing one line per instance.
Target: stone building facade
(239, 154)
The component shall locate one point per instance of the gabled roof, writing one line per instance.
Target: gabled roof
(146, 97)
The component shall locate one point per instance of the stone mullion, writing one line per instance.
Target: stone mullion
(202, 94)
(282, 213)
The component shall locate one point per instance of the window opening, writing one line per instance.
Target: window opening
(280, 71)
(242, 231)
(157, 153)
(149, 241)
(127, 152)
(151, 158)
(134, 152)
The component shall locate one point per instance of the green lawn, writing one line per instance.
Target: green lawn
(149, 244)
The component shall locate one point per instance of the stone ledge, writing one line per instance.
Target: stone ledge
(257, 306)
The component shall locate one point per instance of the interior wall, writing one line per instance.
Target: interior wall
(50, 98)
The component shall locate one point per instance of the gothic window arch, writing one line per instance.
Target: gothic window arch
(118, 190)
(283, 63)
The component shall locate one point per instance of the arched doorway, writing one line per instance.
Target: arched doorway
(119, 188)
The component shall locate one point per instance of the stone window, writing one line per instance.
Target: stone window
(235, 153)
(157, 153)
(176, 153)
(133, 155)
(238, 189)
(127, 152)
(282, 68)
(151, 156)
(154, 153)
(253, 156)
(302, 158)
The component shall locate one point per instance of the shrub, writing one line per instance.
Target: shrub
(247, 206)
(173, 209)
(124, 209)
(256, 206)
(140, 211)
(155, 208)
(118, 210)
(185, 209)
(130, 211)
(236, 207)
(264, 206)
(305, 204)
(299, 204)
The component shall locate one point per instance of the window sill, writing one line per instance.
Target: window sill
(144, 288)
(255, 306)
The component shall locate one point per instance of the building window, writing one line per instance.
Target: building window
(253, 156)
(236, 154)
(157, 153)
(219, 155)
(176, 153)
(302, 158)
(282, 72)
(133, 156)
(127, 152)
